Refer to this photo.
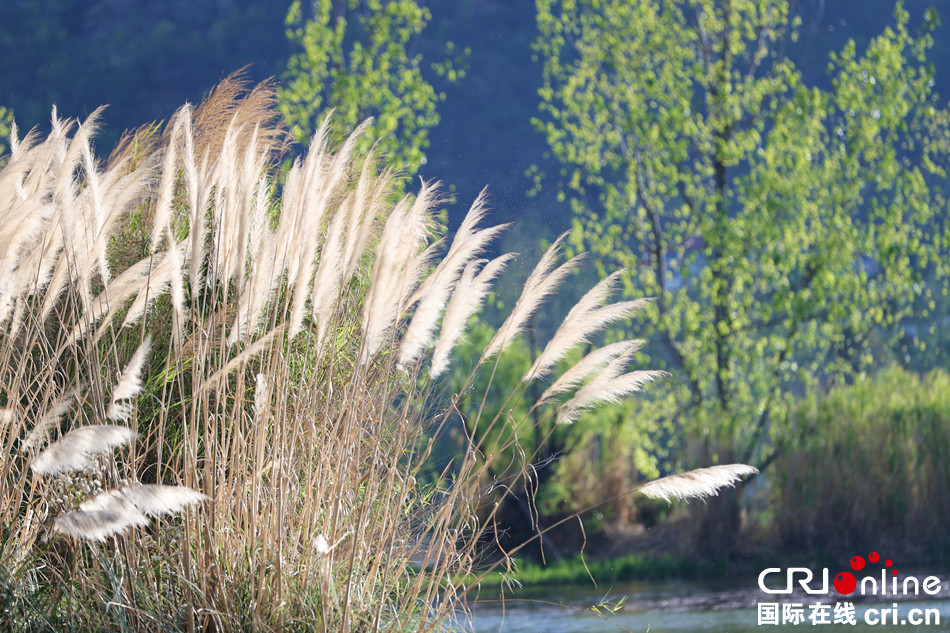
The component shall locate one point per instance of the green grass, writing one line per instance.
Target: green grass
(578, 570)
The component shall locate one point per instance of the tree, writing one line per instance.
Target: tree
(358, 61)
(780, 226)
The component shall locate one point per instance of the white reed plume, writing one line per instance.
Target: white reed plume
(94, 208)
(176, 265)
(585, 319)
(253, 196)
(264, 275)
(467, 244)
(157, 499)
(162, 215)
(611, 385)
(261, 288)
(107, 500)
(588, 365)
(129, 385)
(40, 431)
(17, 168)
(540, 284)
(226, 221)
(303, 182)
(200, 184)
(469, 294)
(611, 391)
(154, 286)
(368, 207)
(85, 212)
(262, 396)
(435, 290)
(318, 192)
(14, 140)
(150, 499)
(289, 222)
(236, 177)
(260, 216)
(398, 266)
(329, 276)
(702, 482)
(97, 525)
(75, 215)
(23, 228)
(75, 450)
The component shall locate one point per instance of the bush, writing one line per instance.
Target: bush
(868, 467)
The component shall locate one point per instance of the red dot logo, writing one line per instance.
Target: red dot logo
(857, 563)
(845, 583)
(888, 562)
(874, 557)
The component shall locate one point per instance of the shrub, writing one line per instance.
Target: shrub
(867, 466)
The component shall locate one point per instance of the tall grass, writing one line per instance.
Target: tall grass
(250, 355)
(867, 465)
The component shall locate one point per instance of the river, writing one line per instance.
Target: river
(681, 607)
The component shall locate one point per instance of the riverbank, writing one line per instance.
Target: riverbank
(580, 570)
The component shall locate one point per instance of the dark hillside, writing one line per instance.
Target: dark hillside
(144, 58)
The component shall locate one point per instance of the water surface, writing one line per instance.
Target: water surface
(678, 607)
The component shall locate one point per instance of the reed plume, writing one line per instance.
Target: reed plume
(129, 385)
(541, 283)
(586, 318)
(75, 450)
(149, 499)
(469, 294)
(610, 385)
(590, 364)
(97, 525)
(699, 483)
(433, 294)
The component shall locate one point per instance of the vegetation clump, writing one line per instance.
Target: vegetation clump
(250, 355)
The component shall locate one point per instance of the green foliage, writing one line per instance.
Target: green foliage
(869, 465)
(780, 226)
(607, 453)
(596, 461)
(357, 61)
(6, 120)
(505, 424)
(578, 570)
